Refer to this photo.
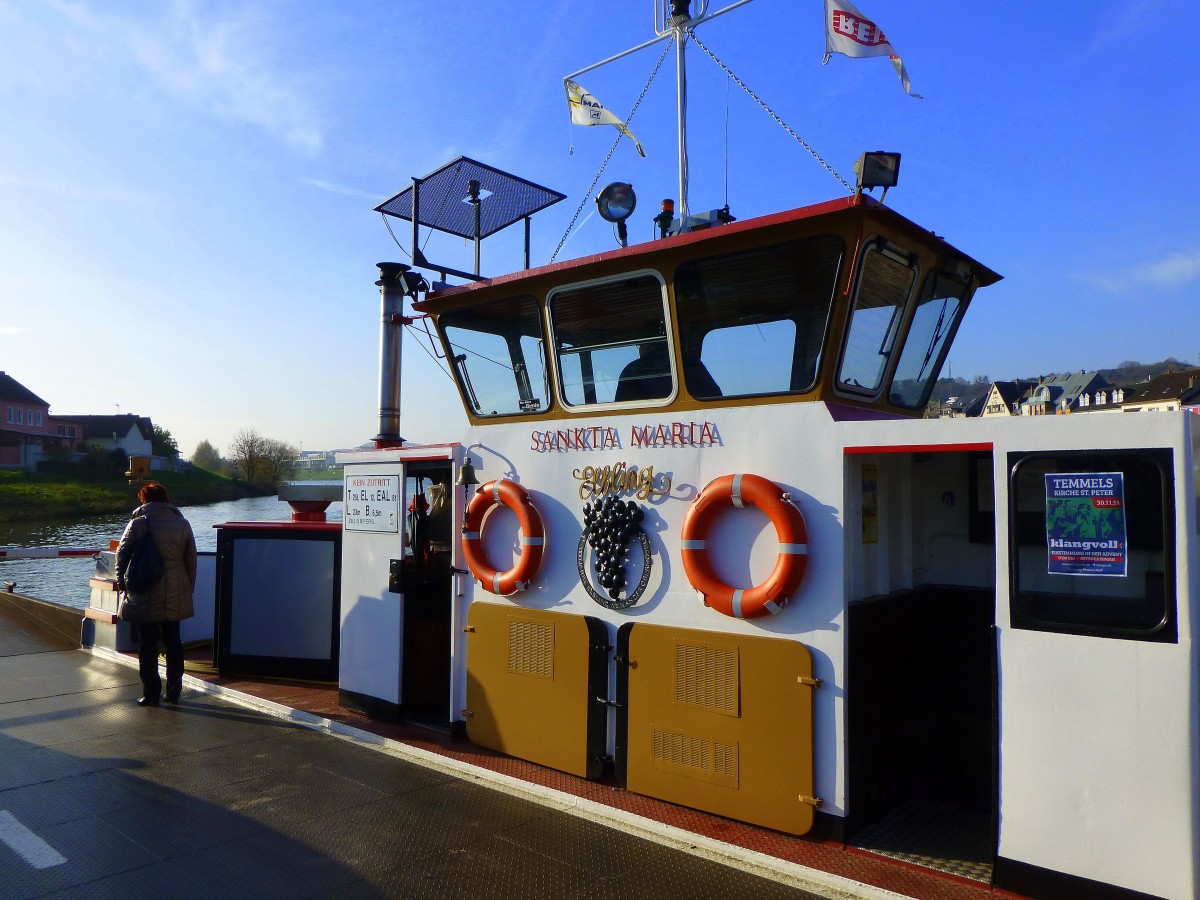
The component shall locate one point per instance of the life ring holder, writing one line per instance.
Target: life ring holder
(533, 537)
(741, 491)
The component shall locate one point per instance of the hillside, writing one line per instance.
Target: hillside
(1127, 373)
(26, 496)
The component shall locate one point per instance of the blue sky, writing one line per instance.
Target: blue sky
(186, 188)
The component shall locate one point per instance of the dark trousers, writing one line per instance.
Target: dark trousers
(149, 635)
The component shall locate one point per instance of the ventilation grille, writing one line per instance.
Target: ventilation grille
(695, 757)
(707, 677)
(531, 648)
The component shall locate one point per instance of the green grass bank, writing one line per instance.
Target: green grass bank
(28, 496)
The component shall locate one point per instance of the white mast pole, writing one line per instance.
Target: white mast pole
(681, 77)
(676, 25)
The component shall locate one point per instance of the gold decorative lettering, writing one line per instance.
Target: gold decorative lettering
(622, 478)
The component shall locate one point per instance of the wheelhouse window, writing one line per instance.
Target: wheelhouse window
(611, 341)
(936, 319)
(885, 282)
(754, 322)
(498, 356)
(1092, 543)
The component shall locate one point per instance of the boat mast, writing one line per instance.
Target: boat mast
(678, 21)
(674, 19)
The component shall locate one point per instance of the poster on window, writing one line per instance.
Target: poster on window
(1085, 524)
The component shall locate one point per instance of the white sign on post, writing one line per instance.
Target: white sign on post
(372, 503)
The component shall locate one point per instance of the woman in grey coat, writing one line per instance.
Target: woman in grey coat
(159, 610)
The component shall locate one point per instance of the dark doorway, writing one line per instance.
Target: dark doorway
(921, 679)
(921, 727)
(427, 589)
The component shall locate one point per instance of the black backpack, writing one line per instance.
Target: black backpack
(145, 568)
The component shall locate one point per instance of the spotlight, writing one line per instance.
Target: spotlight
(616, 203)
(877, 169)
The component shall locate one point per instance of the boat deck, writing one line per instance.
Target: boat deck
(241, 790)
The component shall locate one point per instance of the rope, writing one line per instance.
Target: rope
(611, 150)
(770, 112)
(395, 240)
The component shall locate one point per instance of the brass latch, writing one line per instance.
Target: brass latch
(469, 628)
(806, 679)
(466, 713)
(811, 801)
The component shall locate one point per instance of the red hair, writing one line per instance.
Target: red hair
(151, 491)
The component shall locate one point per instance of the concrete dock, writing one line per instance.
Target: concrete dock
(234, 793)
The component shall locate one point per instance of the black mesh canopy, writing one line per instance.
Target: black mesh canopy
(443, 201)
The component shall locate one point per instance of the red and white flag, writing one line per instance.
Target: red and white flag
(849, 32)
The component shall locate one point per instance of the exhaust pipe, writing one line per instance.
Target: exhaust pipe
(392, 290)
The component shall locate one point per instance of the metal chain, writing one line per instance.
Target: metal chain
(770, 112)
(612, 149)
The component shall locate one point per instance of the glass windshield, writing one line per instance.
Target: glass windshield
(884, 284)
(938, 313)
(498, 356)
(610, 341)
(754, 322)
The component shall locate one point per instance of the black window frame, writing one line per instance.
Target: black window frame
(1040, 610)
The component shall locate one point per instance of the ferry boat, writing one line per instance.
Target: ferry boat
(698, 536)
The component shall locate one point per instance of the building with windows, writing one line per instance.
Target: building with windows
(1166, 392)
(129, 433)
(1061, 394)
(1004, 398)
(27, 430)
(316, 460)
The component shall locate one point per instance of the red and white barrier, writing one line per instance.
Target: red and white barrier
(43, 552)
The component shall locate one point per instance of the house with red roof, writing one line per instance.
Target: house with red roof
(28, 431)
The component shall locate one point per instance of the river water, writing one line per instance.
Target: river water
(66, 580)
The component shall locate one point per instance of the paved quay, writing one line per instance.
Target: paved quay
(232, 794)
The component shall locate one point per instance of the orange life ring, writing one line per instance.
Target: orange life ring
(742, 491)
(533, 537)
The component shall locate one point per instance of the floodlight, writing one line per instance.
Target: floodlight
(877, 169)
(616, 202)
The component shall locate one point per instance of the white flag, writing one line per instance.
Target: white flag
(587, 110)
(849, 32)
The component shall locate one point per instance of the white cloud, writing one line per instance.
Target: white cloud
(1128, 22)
(218, 60)
(338, 189)
(1173, 271)
(76, 191)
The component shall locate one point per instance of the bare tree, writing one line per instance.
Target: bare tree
(246, 454)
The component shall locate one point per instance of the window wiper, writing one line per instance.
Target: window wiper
(933, 341)
(460, 363)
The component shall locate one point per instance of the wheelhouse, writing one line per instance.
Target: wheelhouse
(845, 302)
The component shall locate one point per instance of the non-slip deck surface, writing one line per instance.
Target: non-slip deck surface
(946, 838)
(102, 798)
